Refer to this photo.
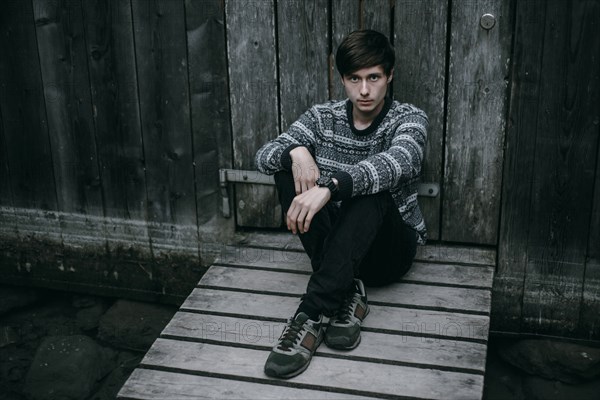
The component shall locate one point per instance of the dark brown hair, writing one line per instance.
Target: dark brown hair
(364, 49)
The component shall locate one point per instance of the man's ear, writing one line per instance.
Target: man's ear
(391, 76)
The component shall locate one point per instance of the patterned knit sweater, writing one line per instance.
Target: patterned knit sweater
(387, 155)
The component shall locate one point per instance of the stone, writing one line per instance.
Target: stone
(567, 362)
(134, 325)
(89, 318)
(536, 388)
(13, 298)
(502, 380)
(14, 364)
(83, 301)
(67, 367)
(8, 336)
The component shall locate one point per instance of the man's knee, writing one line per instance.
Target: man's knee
(284, 179)
(367, 205)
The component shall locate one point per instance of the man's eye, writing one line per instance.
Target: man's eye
(374, 77)
(353, 79)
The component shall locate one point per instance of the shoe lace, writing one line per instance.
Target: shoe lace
(291, 335)
(345, 311)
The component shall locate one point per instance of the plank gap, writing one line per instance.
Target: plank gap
(239, 290)
(398, 332)
(430, 308)
(227, 314)
(423, 335)
(460, 263)
(258, 268)
(450, 285)
(377, 303)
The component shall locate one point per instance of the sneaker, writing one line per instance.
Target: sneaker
(343, 331)
(295, 348)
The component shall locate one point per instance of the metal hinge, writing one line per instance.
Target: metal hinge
(227, 176)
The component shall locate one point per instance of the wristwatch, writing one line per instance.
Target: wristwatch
(326, 181)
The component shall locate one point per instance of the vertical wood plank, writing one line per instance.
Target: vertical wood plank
(65, 77)
(522, 128)
(419, 78)
(303, 59)
(161, 53)
(209, 102)
(110, 48)
(254, 103)
(23, 110)
(8, 229)
(593, 252)
(589, 323)
(478, 77)
(5, 190)
(27, 146)
(345, 18)
(564, 168)
(377, 15)
(60, 36)
(113, 80)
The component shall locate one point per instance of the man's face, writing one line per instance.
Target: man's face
(366, 89)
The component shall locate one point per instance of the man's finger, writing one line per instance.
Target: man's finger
(291, 219)
(297, 186)
(300, 221)
(307, 221)
(292, 225)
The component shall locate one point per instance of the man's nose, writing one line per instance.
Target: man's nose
(364, 89)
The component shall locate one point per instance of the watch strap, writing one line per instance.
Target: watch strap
(326, 181)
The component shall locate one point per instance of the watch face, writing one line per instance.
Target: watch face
(326, 181)
(323, 181)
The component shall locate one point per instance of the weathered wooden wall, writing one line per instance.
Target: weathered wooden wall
(548, 279)
(115, 121)
(115, 117)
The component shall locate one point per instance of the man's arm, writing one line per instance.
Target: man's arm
(275, 155)
(292, 151)
(304, 169)
(401, 162)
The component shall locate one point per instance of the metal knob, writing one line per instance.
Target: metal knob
(487, 21)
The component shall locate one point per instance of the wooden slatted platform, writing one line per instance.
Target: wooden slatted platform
(425, 338)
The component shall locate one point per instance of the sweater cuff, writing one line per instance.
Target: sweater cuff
(345, 185)
(286, 159)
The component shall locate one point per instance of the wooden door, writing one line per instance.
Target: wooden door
(449, 63)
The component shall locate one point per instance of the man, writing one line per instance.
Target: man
(347, 174)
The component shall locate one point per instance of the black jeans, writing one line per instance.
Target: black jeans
(365, 237)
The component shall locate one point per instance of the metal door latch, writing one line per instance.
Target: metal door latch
(227, 176)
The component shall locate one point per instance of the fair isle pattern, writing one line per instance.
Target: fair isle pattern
(390, 158)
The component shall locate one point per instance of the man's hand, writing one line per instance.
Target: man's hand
(304, 169)
(304, 207)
